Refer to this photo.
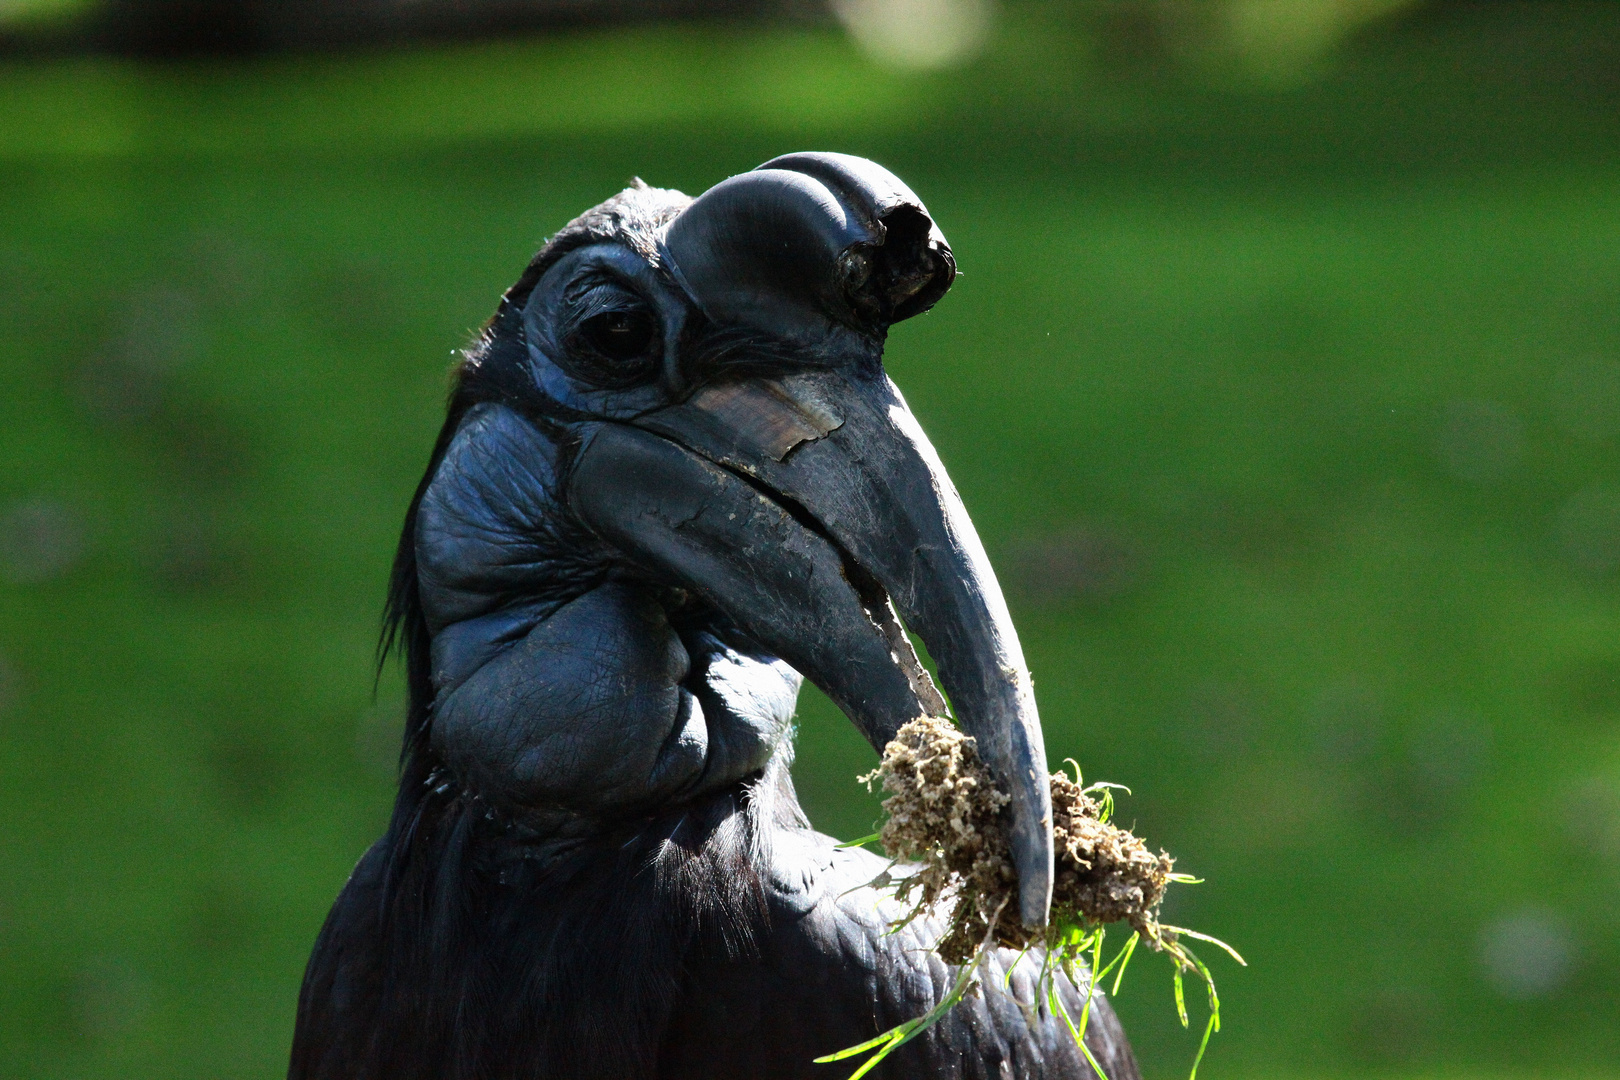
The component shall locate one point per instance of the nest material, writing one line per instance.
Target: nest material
(946, 814)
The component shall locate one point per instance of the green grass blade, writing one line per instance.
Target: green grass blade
(897, 1037)
(1214, 998)
(1091, 984)
(1209, 980)
(882, 881)
(859, 843)
(873, 1061)
(1209, 1029)
(1055, 1002)
(1103, 974)
(1079, 1033)
(1006, 982)
(850, 1051)
(1104, 785)
(1092, 1061)
(1124, 958)
(1217, 942)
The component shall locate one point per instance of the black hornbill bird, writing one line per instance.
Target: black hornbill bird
(674, 478)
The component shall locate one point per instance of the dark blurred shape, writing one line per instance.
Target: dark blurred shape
(160, 328)
(378, 737)
(205, 447)
(8, 685)
(1392, 1026)
(1446, 754)
(223, 915)
(155, 331)
(249, 768)
(1410, 782)
(1591, 686)
(109, 999)
(137, 380)
(115, 392)
(221, 269)
(20, 286)
(354, 302)
(1086, 562)
(1267, 41)
(192, 555)
(1272, 535)
(1589, 531)
(1270, 41)
(40, 539)
(1480, 441)
(1283, 803)
(1592, 816)
(1222, 720)
(237, 27)
(1527, 953)
(1586, 398)
(1346, 724)
(1449, 749)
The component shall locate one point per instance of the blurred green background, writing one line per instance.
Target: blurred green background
(1282, 380)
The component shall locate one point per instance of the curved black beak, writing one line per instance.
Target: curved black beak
(811, 507)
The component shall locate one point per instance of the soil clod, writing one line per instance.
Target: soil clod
(946, 815)
(949, 821)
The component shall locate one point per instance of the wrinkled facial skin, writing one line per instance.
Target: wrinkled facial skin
(700, 486)
(604, 332)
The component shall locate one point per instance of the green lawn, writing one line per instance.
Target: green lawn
(1289, 416)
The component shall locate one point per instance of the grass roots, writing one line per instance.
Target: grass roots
(947, 832)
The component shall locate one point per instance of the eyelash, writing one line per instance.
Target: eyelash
(601, 314)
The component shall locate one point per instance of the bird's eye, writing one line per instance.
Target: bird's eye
(620, 335)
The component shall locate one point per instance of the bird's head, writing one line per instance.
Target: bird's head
(714, 369)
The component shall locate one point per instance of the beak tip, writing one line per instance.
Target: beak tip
(1034, 899)
(1035, 918)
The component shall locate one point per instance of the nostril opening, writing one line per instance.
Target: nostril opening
(914, 269)
(903, 274)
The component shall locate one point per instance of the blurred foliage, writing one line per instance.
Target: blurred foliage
(1289, 414)
(1275, 39)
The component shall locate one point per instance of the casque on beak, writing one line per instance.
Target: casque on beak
(810, 507)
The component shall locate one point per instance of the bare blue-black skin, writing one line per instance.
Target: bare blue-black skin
(674, 480)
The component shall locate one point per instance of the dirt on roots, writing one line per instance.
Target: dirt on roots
(946, 815)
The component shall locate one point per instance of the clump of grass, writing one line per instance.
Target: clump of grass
(948, 818)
